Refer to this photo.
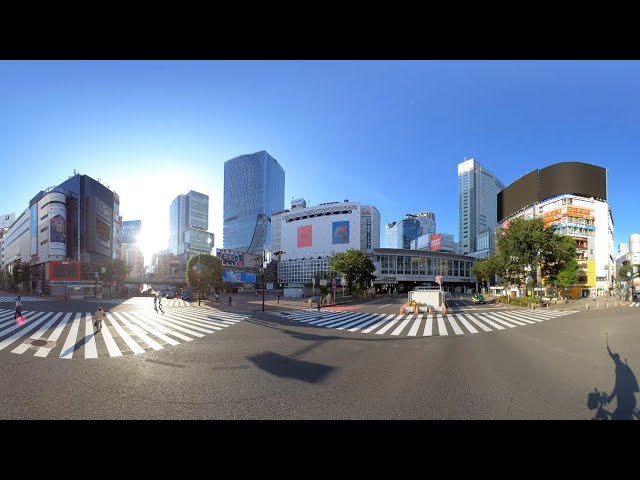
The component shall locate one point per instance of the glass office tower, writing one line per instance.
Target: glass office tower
(253, 191)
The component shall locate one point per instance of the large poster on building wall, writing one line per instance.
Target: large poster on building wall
(368, 233)
(340, 233)
(231, 258)
(305, 236)
(436, 242)
(238, 277)
(34, 229)
(130, 230)
(57, 229)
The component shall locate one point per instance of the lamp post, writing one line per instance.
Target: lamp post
(264, 267)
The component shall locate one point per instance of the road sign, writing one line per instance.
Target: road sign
(199, 268)
(628, 274)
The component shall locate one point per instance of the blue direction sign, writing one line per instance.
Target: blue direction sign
(199, 268)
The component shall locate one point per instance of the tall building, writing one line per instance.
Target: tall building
(401, 234)
(188, 224)
(623, 249)
(309, 236)
(253, 192)
(427, 222)
(571, 197)
(131, 250)
(477, 190)
(66, 235)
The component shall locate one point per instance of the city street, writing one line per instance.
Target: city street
(221, 362)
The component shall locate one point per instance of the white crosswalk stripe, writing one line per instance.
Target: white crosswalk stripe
(410, 325)
(635, 304)
(7, 298)
(71, 335)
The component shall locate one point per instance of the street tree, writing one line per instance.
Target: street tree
(568, 275)
(209, 276)
(484, 269)
(355, 266)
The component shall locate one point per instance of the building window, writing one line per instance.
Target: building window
(44, 241)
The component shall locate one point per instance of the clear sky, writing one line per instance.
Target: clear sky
(388, 133)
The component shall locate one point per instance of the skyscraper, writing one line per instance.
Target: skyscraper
(253, 191)
(188, 224)
(477, 203)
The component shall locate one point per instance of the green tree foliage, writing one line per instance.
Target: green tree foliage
(117, 270)
(526, 247)
(568, 274)
(355, 266)
(209, 276)
(484, 269)
(21, 273)
(626, 267)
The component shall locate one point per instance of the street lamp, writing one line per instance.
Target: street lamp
(264, 267)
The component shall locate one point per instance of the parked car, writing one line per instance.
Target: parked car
(478, 298)
(170, 295)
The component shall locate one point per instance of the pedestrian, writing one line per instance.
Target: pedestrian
(160, 304)
(155, 302)
(229, 299)
(319, 303)
(217, 298)
(18, 308)
(278, 297)
(97, 324)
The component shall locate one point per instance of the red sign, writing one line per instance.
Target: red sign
(304, 236)
(435, 242)
(64, 271)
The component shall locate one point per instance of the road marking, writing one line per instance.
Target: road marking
(402, 326)
(358, 321)
(175, 327)
(69, 344)
(428, 327)
(29, 326)
(416, 326)
(490, 322)
(141, 334)
(44, 351)
(521, 320)
(131, 343)
(467, 325)
(23, 347)
(477, 322)
(378, 318)
(389, 324)
(454, 325)
(90, 350)
(442, 330)
(144, 327)
(509, 323)
(384, 305)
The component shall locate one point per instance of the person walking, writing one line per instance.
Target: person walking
(97, 324)
(160, 304)
(229, 299)
(278, 297)
(155, 302)
(18, 312)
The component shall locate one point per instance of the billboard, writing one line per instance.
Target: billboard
(99, 226)
(436, 242)
(368, 233)
(573, 177)
(34, 229)
(518, 195)
(230, 257)
(57, 229)
(64, 271)
(238, 277)
(305, 236)
(340, 232)
(7, 220)
(130, 230)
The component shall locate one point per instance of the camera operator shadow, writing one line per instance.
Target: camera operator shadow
(624, 392)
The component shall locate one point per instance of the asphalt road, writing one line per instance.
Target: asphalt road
(267, 366)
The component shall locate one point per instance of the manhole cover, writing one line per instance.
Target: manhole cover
(38, 343)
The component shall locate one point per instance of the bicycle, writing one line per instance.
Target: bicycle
(597, 400)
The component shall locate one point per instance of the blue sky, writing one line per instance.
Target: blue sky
(389, 133)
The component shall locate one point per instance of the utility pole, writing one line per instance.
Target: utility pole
(264, 261)
(199, 277)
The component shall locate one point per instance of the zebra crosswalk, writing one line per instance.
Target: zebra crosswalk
(635, 304)
(71, 335)
(12, 298)
(420, 325)
(142, 301)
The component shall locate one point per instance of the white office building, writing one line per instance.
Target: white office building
(477, 203)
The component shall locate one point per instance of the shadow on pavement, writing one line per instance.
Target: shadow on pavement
(283, 366)
(624, 391)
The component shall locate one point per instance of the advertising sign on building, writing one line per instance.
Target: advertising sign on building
(340, 233)
(130, 230)
(436, 242)
(231, 258)
(57, 229)
(238, 277)
(34, 229)
(305, 236)
(64, 271)
(579, 212)
(7, 220)
(368, 233)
